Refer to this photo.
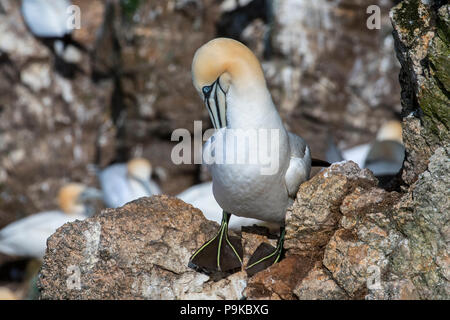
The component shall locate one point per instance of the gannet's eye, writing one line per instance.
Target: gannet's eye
(206, 91)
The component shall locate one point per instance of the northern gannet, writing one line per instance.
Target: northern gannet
(27, 237)
(230, 80)
(125, 182)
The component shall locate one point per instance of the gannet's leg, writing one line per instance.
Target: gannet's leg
(222, 254)
(265, 255)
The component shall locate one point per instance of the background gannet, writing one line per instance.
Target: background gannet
(230, 80)
(384, 157)
(125, 182)
(27, 237)
(47, 18)
(50, 21)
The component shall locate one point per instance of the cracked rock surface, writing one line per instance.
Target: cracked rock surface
(139, 251)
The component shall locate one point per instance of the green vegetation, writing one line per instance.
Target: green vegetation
(129, 7)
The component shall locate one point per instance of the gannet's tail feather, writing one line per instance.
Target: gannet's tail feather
(319, 163)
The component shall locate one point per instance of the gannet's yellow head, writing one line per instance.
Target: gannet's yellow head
(140, 168)
(72, 198)
(220, 64)
(391, 130)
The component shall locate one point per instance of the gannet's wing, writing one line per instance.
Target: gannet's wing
(154, 188)
(299, 164)
(201, 196)
(28, 236)
(115, 185)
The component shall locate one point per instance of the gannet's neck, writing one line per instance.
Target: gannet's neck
(252, 108)
(137, 188)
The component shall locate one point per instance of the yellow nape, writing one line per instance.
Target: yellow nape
(225, 56)
(140, 168)
(391, 130)
(68, 197)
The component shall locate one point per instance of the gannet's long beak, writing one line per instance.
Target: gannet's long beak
(216, 103)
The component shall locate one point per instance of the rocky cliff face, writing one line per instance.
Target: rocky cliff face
(324, 54)
(51, 127)
(346, 238)
(133, 85)
(421, 33)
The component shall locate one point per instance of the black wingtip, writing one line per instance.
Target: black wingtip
(319, 163)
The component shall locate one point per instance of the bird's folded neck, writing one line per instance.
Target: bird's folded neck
(251, 108)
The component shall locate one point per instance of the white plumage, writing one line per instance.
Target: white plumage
(230, 79)
(47, 18)
(264, 163)
(28, 237)
(357, 154)
(202, 197)
(125, 182)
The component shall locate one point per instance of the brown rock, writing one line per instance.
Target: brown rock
(315, 214)
(52, 129)
(279, 281)
(148, 50)
(92, 15)
(421, 40)
(336, 233)
(328, 67)
(139, 251)
(319, 285)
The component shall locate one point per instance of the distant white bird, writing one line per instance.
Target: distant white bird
(125, 182)
(27, 237)
(201, 196)
(384, 157)
(47, 18)
(386, 154)
(51, 21)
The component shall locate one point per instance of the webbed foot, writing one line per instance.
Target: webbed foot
(219, 256)
(265, 256)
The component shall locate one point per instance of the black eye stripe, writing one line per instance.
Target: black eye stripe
(216, 102)
(220, 87)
